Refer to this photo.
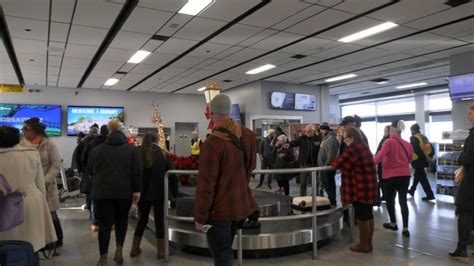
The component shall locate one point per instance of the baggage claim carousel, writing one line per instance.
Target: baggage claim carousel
(276, 237)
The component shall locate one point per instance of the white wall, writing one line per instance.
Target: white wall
(138, 108)
(248, 98)
(461, 64)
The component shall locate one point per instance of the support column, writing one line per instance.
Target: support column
(461, 64)
(422, 115)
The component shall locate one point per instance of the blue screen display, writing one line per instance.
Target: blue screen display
(235, 113)
(81, 118)
(15, 114)
(462, 87)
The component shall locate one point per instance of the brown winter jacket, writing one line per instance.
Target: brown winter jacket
(222, 191)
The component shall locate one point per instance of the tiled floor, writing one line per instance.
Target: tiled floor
(432, 226)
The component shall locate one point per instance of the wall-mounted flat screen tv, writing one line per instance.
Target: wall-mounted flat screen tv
(15, 114)
(81, 118)
(305, 102)
(282, 100)
(235, 113)
(461, 87)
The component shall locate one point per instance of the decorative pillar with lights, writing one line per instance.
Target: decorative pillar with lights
(210, 91)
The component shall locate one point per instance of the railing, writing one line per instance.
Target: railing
(313, 215)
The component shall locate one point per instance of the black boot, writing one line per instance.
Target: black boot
(460, 255)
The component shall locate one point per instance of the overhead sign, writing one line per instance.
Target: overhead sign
(11, 88)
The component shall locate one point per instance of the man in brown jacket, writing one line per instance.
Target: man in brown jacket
(223, 196)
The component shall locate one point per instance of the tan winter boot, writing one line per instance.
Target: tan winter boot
(371, 233)
(103, 260)
(364, 231)
(136, 250)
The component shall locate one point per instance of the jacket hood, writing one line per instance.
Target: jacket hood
(230, 125)
(116, 138)
(17, 147)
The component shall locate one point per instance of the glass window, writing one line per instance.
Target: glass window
(370, 130)
(439, 102)
(362, 110)
(399, 106)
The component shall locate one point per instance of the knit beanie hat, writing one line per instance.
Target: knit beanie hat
(221, 104)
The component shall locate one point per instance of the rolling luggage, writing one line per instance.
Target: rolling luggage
(17, 253)
(301, 205)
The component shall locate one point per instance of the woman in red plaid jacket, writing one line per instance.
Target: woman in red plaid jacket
(359, 185)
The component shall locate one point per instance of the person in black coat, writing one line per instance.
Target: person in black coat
(308, 145)
(419, 163)
(386, 135)
(465, 197)
(95, 142)
(116, 169)
(155, 164)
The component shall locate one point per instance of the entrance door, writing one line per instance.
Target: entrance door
(182, 138)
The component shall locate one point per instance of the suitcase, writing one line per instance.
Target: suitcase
(185, 206)
(17, 253)
(301, 205)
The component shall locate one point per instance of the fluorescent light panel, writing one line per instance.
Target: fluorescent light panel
(368, 32)
(201, 89)
(194, 7)
(260, 69)
(348, 76)
(138, 57)
(413, 85)
(382, 82)
(111, 82)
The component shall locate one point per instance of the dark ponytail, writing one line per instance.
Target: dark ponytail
(36, 126)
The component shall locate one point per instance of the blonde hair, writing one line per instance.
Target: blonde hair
(114, 125)
(282, 138)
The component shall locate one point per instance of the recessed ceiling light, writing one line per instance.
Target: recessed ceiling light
(413, 85)
(368, 32)
(382, 82)
(348, 76)
(111, 82)
(201, 89)
(138, 57)
(260, 69)
(194, 7)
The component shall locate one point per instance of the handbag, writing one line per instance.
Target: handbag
(11, 207)
(458, 175)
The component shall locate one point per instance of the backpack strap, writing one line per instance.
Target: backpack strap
(236, 141)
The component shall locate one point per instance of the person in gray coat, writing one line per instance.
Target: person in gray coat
(329, 151)
(465, 197)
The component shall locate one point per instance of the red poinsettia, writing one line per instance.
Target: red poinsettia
(184, 163)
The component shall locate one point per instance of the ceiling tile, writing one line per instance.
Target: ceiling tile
(245, 54)
(115, 54)
(275, 12)
(36, 9)
(435, 47)
(87, 35)
(159, 59)
(175, 46)
(80, 51)
(77, 63)
(357, 7)
(321, 21)
(209, 50)
(146, 21)
(54, 61)
(175, 24)
(258, 37)
(311, 45)
(228, 10)
(199, 28)
(17, 26)
(416, 41)
(188, 61)
(29, 46)
(108, 65)
(276, 41)
(443, 17)
(100, 14)
(236, 34)
(61, 11)
(129, 40)
(337, 51)
(171, 6)
(31, 59)
(59, 32)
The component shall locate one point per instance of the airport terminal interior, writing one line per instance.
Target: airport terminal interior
(286, 65)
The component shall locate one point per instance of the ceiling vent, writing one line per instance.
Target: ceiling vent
(455, 3)
(298, 56)
(379, 80)
(121, 73)
(227, 80)
(160, 38)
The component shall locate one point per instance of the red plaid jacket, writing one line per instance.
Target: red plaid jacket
(222, 191)
(359, 181)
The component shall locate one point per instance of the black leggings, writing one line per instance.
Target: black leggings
(144, 208)
(285, 184)
(57, 228)
(112, 211)
(393, 185)
(363, 211)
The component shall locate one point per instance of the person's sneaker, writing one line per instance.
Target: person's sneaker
(459, 255)
(389, 226)
(406, 233)
(428, 198)
(258, 186)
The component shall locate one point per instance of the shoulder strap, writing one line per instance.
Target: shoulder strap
(406, 151)
(236, 141)
(4, 184)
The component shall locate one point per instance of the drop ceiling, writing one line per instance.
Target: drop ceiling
(55, 42)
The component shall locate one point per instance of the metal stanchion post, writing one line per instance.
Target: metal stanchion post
(165, 223)
(314, 209)
(239, 248)
(351, 223)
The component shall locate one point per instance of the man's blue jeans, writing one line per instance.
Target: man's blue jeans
(219, 239)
